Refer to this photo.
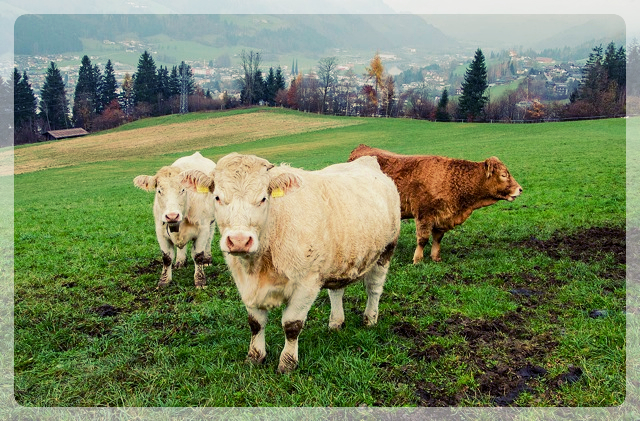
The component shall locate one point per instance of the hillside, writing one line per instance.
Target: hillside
(178, 134)
(276, 34)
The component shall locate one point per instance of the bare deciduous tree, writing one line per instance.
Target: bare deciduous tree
(250, 66)
(326, 74)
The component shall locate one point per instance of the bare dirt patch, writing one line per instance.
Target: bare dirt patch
(585, 245)
(162, 139)
(503, 351)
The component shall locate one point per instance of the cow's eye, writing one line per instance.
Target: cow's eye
(264, 199)
(217, 198)
(159, 191)
(182, 191)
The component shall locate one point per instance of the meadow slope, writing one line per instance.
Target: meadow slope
(527, 309)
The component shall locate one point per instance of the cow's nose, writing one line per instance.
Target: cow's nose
(172, 217)
(239, 243)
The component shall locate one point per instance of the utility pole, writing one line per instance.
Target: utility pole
(184, 90)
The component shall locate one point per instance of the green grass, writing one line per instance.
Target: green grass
(84, 239)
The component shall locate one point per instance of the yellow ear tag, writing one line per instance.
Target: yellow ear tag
(279, 192)
(202, 189)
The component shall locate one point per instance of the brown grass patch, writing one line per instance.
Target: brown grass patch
(163, 139)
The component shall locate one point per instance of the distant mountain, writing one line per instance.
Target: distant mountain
(314, 33)
(596, 31)
(528, 31)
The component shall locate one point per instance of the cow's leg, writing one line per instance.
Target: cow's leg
(208, 260)
(181, 257)
(198, 253)
(257, 347)
(293, 318)
(168, 254)
(374, 283)
(435, 244)
(336, 320)
(423, 231)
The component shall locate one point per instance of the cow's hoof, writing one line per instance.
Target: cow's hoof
(336, 325)
(287, 364)
(370, 320)
(201, 287)
(255, 358)
(436, 259)
(180, 265)
(162, 285)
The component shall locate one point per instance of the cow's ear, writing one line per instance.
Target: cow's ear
(145, 182)
(490, 165)
(197, 181)
(283, 184)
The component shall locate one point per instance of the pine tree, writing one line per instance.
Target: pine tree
(441, 111)
(259, 87)
(280, 83)
(615, 64)
(602, 90)
(54, 107)
(145, 80)
(24, 102)
(108, 87)
(174, 81)
(164, 83)
(86, 96)
(271, 87)
(475, 84)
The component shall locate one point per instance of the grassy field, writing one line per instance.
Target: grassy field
(527, 308)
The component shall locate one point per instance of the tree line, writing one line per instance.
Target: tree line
(601, 92)
(100, 103)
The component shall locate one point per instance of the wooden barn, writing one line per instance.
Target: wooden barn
(63, 134)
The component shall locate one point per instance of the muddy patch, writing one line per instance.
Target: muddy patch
(106, 310)
(585, 245)
(155, 266)
(504, 354)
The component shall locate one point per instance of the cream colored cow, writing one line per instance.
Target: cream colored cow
(287, 233)
(181, 216)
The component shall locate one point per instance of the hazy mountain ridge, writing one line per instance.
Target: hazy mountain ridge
(280, 34)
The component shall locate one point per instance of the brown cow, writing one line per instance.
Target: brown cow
(440, 192)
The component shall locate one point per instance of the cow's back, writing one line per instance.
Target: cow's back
(195, 162)
(337, 222)
(419, 178)
(200, 210)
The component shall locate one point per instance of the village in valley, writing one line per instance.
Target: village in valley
(437, 71)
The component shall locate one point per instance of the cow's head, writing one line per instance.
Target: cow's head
(243, 187)
(171, 195)
(501, 184)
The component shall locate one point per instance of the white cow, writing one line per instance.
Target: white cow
(181, 216)
(287, 233)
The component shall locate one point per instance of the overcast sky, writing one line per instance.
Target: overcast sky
(435, 11)
(629, 10)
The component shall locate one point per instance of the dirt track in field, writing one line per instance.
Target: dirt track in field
(162, 139)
